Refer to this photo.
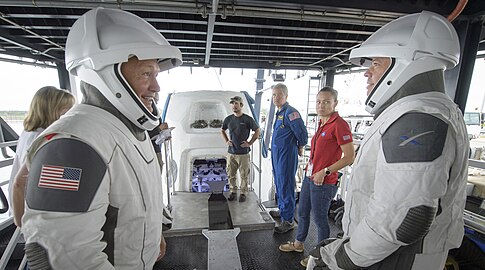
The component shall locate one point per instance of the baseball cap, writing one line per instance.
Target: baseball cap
(236, 99)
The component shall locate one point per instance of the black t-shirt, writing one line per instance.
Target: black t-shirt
(239, 129)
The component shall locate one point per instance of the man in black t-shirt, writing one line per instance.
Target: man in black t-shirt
(240, 126)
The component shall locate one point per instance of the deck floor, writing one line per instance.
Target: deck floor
(258, 249)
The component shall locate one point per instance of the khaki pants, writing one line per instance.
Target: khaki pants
(235, 162)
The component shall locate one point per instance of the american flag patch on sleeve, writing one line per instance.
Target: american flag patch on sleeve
(294, 115)
(59, 177)
(346, 137)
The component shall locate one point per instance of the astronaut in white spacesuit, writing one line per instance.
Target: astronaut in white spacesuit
(93, 198)
(404, 206)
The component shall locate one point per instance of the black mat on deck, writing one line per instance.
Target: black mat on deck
(219, 214)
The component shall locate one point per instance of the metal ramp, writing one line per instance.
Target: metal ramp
(190, 214)
(220, 221)
(258, 250)
(222, 251)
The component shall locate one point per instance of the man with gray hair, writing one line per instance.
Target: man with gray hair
(94, 189)
(289, 138)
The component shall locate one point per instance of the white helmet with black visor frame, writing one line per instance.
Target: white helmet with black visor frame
(415, 43)
(100, 41)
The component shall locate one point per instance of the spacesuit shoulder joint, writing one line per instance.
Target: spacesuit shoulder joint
(414, 137)
(64, 176)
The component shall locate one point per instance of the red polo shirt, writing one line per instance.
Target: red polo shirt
(325, 147)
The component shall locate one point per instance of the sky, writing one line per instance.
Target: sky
(18, 83)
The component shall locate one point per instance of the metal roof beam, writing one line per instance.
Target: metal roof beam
(188, 7)
(210, 35)
(288, 38)
(269, 51)
(25, 45)
(291, 28)
(281, 45)
(210, 31)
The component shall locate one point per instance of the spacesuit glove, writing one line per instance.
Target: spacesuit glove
(316, 264)
(317, 256)
(163, 136)
(316, 251)
(324, 267)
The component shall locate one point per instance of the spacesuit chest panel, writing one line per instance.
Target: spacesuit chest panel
(361, 182)
(135, 189)
(133, 172)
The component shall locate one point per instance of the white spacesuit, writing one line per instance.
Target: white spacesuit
(94, 195)
(404, 206)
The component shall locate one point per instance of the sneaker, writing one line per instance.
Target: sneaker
(242, 198)
(304, 262)
(284, 227)
(275, 213)
(232, 196)
(290, 246)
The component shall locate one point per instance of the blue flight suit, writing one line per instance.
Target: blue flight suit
(289, 132)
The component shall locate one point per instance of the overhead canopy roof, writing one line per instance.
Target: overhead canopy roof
(226, 33)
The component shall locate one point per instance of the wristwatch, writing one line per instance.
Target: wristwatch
(327, 171)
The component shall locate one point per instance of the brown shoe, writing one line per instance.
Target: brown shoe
(242, 198)
(290, 247)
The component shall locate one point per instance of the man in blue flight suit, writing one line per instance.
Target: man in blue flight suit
(289, 138)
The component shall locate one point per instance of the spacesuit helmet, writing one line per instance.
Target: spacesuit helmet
(97, 45)
(415, 43)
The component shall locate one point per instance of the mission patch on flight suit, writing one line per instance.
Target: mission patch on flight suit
(64, 176)
(414, 137)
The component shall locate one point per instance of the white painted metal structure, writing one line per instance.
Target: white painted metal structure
(189, 143)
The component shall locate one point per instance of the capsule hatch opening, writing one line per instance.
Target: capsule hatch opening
(209, 175)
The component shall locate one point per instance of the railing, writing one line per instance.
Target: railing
(7, 161)
(257, 167)
(8, 221)
(473, 220)
(170, 171)
(9, 250)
